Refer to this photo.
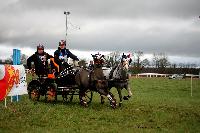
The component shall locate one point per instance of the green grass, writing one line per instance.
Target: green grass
(157, 105)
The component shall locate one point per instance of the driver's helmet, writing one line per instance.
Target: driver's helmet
(62, 42)
(40, 46)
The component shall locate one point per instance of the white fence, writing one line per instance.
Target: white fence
(163, 75)
(151, 75)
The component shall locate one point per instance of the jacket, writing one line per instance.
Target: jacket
(40, 63)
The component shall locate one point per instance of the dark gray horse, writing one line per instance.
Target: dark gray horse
(94, 80)
(118, 77)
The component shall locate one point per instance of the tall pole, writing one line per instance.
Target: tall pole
(191, 86)
(66, 13)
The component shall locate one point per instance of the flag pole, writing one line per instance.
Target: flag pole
(5, 103)
(66, 13)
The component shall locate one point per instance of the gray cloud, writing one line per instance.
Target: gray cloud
(151, 26)
(114, 8)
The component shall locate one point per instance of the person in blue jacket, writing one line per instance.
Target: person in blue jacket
(62, 54)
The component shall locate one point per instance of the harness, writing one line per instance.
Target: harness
(63, 56)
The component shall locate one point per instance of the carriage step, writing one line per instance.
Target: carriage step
(70, 89)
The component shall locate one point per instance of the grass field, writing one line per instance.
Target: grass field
(157, 105)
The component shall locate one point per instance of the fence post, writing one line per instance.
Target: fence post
(16, 61)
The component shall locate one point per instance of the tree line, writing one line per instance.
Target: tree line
(158, 64)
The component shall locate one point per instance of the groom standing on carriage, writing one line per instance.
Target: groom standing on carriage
(40, 61)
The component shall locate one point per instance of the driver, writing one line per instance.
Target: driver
(62, 54)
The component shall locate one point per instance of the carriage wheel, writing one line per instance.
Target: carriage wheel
(34, 93)
(88, 96)
(72, 96)
(51, 94)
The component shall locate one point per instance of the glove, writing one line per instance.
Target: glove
(75, 62)
(49, 61)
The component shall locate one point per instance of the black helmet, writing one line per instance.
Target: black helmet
(62, 42)
(40, 46)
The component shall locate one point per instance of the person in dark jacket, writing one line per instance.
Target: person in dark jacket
(62, 54)
(40, 60)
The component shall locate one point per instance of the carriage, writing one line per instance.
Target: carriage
(82, 82)
(71, 81)
(51, 86)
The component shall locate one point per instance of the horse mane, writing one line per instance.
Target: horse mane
(113, 69)
(120, 71)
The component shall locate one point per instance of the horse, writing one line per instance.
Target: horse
(118, 77)
(94, 80)
(84, 79)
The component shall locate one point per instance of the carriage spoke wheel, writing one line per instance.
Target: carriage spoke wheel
(51, 94)
(88, 96)
(34, 93)
(66, 97)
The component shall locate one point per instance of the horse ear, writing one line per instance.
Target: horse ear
(130, 61)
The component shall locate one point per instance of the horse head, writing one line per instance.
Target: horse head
(125, 61)
(121, 70)
(98, 59)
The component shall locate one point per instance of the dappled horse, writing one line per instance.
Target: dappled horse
(118, 77)
(94, 80)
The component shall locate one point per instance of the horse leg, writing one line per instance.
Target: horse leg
(120, 95)
(81, 97)
(110, 97)
(112, 100)
(102, 99)
(127, 87)
(129, 91)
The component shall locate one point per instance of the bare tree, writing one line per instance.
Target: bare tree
(160, 60)
(8, 61)
(138, 56)
(145, 62)
(155, 60)
(23, 59)
(112, 58)
(82, 62)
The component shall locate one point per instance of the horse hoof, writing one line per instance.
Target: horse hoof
(84, 104)
(125, 98)
(102, 102)
(120, 104)
(113, 104)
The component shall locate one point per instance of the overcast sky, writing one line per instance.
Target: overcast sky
(169, 26)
